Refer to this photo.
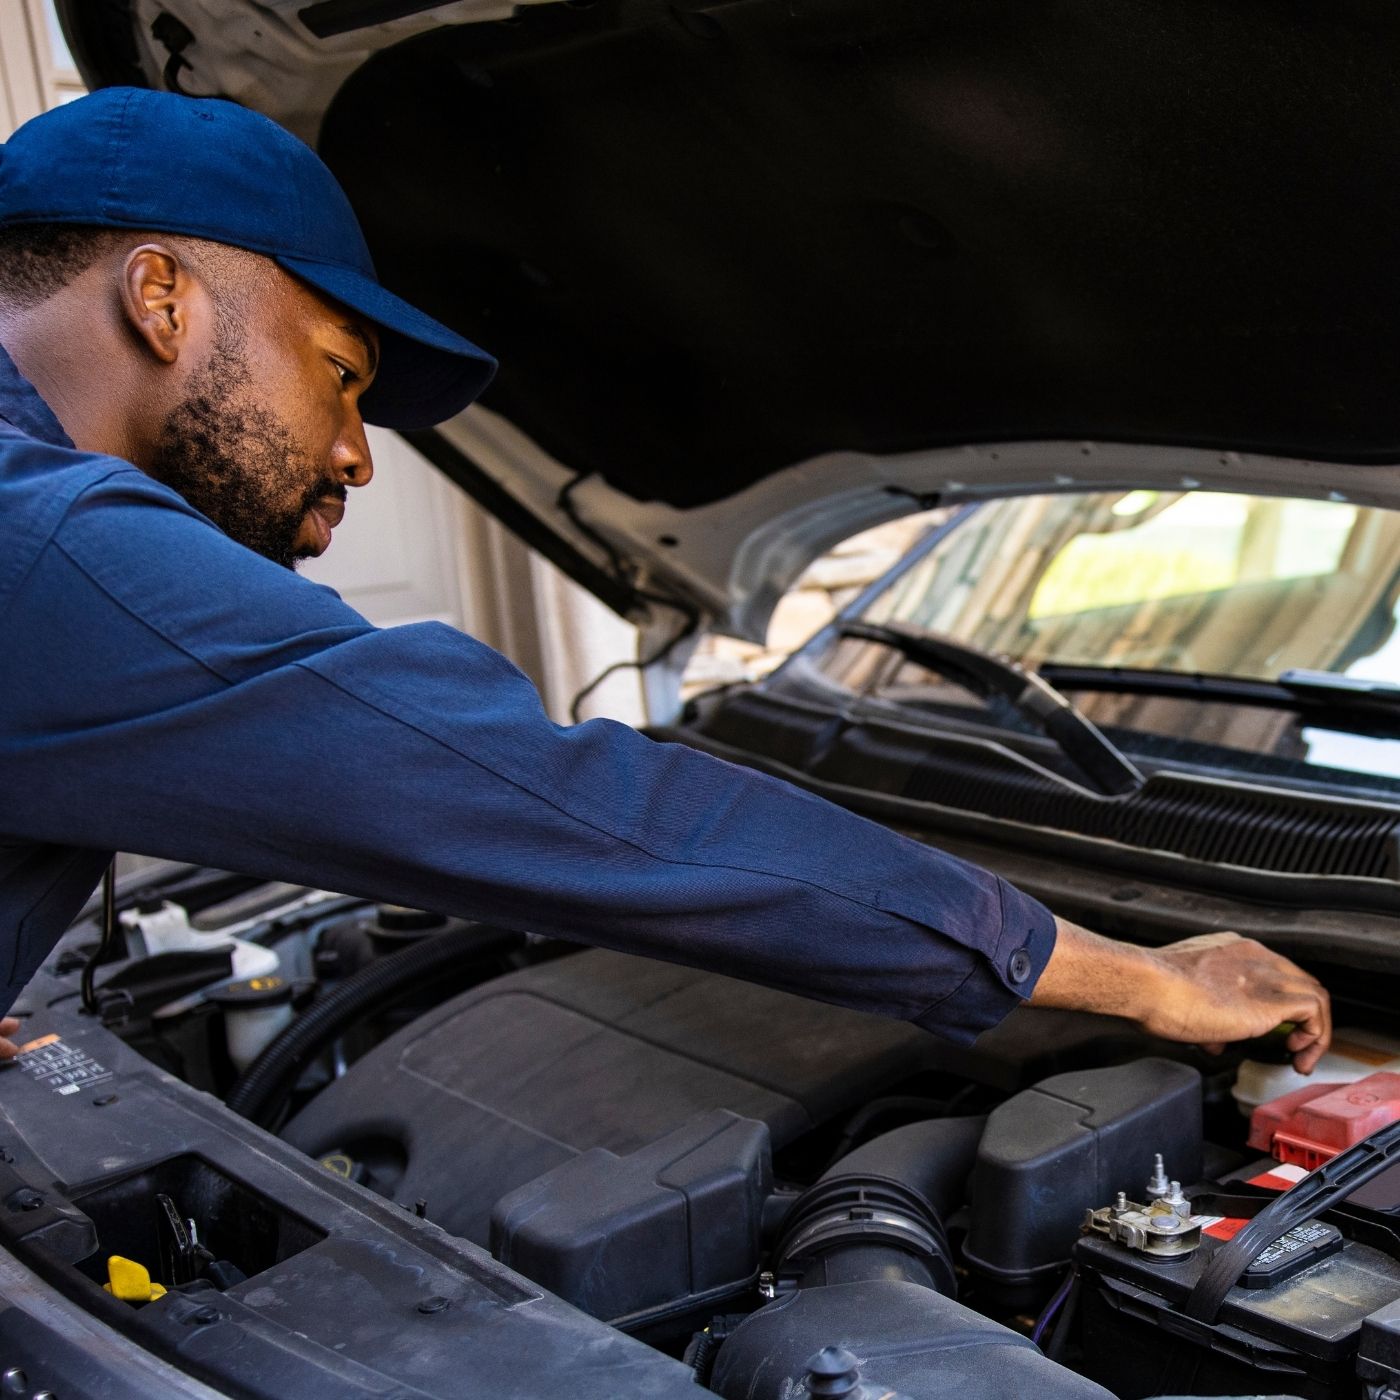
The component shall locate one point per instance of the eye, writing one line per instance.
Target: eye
(347, 375)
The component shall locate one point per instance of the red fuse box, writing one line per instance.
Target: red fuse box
(1311, 1125)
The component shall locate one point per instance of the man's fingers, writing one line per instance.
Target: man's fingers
(1312, 1031)
(8, 1026)
(1310, 1041)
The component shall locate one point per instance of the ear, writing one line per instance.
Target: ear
(160, 299)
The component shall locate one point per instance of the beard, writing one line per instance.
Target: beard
(237, 462)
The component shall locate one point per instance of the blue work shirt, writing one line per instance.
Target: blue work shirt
(169, 692)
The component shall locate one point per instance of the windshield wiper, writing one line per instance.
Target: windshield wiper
(1318, 697)
(989, 676)
(1327, 685)
(1173, 685)
(1351, 694)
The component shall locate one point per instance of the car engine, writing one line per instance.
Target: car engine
(788, 1197)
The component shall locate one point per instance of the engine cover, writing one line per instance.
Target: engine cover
(599, 1049)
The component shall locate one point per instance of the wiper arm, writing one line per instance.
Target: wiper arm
(1172, 685)
(987, 675)
(1318, 697)
(1345, 694)
(1326, 685)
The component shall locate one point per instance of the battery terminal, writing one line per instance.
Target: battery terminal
(1162, 1227)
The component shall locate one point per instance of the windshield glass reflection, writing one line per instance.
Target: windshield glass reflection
(1197, 583)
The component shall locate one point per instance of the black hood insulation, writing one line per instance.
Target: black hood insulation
(708, 241)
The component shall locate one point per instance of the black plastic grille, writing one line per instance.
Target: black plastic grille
(1258, 829)
(1203, 821)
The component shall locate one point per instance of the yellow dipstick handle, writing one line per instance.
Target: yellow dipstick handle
(130, 1281)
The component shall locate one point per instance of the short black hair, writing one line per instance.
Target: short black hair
(38, 260)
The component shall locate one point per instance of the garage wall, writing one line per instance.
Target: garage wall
(36, 70)
(412, 547)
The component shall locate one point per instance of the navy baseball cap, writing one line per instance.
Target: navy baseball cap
(132, 158)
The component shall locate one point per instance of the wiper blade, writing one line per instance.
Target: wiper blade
(1186, 685)
(1318, 697)
(988, 675)
(1341, 690)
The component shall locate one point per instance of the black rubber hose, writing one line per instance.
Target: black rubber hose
(911, 1107)
(262, 1087)
(878, 1213)
(934, 1158)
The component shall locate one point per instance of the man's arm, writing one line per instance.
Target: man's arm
(184, 698)
(1208, 990)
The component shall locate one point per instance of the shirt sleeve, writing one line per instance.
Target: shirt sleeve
(185, 698)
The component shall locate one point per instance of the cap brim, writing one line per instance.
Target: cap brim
(427, 373)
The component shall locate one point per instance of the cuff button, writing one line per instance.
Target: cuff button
(1020, 967)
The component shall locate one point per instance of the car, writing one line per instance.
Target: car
(1111, 290)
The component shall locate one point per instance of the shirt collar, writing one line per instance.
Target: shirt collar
(21, 406)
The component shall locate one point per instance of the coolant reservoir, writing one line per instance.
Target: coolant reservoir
(1352, 1055)
(256, 1009)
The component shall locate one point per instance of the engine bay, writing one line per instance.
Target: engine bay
(649, 1176)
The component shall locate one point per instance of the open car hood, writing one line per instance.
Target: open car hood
(761, 273)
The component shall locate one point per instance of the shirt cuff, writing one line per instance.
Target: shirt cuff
(1002, 980)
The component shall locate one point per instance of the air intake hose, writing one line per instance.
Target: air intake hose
(877, 1214)
(866, 1249)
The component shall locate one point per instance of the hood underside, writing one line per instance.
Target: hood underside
(711, 243)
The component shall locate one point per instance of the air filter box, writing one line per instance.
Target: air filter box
(639, 1237)
(1066, 1145)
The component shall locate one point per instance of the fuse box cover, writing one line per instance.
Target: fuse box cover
(1313, 1124)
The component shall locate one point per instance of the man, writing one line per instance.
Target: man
(194, 336)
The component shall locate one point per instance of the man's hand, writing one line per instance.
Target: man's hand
(1208, 990)
(8, 1026)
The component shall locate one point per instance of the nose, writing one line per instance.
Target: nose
(351, 460)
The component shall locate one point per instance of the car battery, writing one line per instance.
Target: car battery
(1291, 1325)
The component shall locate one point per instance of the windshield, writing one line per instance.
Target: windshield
(1245, 586)
(1206, 583)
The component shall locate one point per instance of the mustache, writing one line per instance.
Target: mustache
(320, 489)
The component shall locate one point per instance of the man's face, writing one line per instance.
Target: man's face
(268, 435)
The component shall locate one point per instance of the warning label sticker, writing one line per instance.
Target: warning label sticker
(66, 1069)
(1278, 1178)
(1221, 1227)
(1300, 1237)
